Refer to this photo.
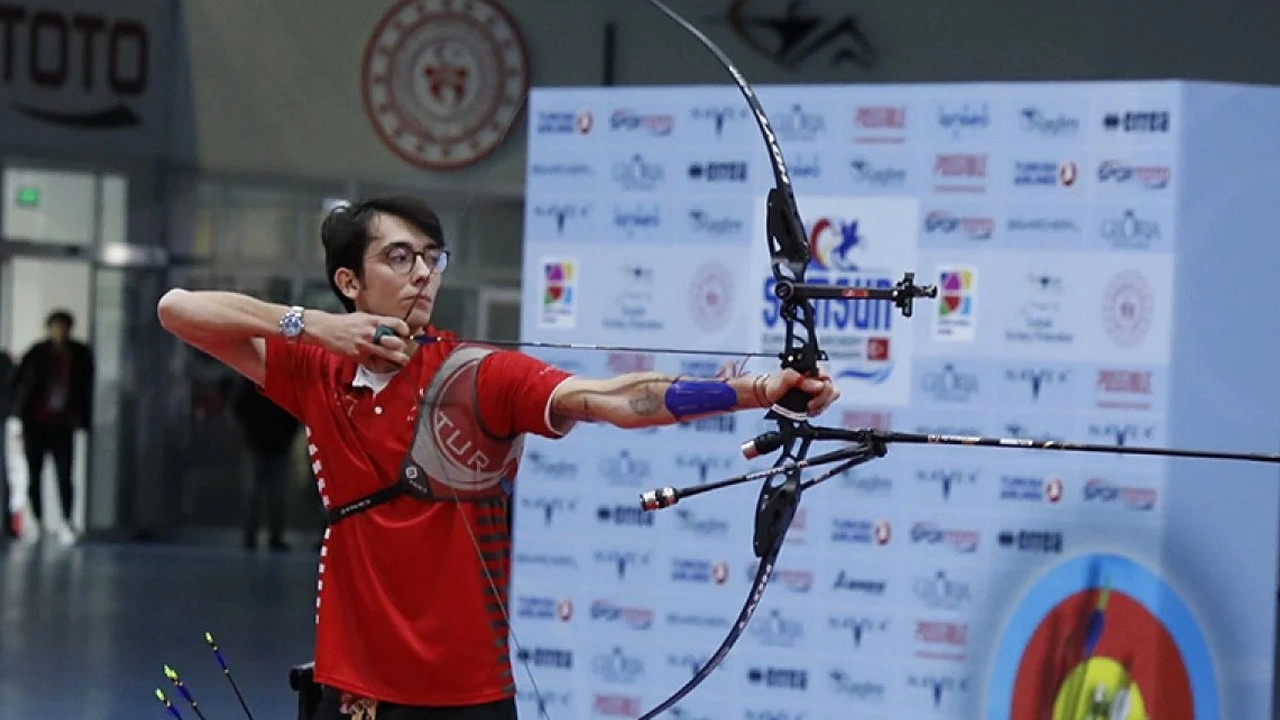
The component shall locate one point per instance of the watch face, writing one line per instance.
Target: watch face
(291, 325)
(1101, 636)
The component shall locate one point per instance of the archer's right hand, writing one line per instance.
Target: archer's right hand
(351, 335)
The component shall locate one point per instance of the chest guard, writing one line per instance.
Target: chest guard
(453, 457)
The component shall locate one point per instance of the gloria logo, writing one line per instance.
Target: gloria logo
(832, 244)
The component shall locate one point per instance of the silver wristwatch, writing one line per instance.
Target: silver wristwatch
(291, 325)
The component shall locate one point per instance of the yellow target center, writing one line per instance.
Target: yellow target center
(1099, 689)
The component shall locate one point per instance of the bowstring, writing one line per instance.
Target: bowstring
(504, 499)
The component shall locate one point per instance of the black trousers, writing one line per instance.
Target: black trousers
(270, 480)
(331, 700)
(56, 441)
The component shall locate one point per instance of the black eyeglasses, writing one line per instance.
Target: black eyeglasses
(401, 258)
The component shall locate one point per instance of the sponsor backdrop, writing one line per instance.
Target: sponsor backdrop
(934, 582)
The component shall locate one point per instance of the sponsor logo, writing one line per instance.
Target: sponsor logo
(1040, 541)
(947, 479)
(546, 657)
(866, 173)
(561, 169)
(1038, 379)
(640, 217)
(1031, 488)
(930, 533)
(562, 213)
(544, 608)
(1150, 177)
(1148, 121)
(1128, 231)
(549, 507)
(544, 467)
(974, 228)
(876, 125)
(1120, 389)
(1121, 434)
(940, 688)
(961, 120)
(635, 173)
(719, 116)
(703, 222)
(859, 627)
(699, 571)
(624, 515)
(564, 122)
(1035, 120)
(719, 171)
(940, 592)
(779, 677)
(625, 469)
(865, 586)
(1043, 225)
(860, 690)
(941, 640)
(775, 630)
(1038, 173)
(636, 618)
(861, 532)
(1127, 306)
(950, 385)
(1130, 497)
(797, 125)
(622, 561)
(617, 705)
(960, 172)
(653, 124)
(617, 666)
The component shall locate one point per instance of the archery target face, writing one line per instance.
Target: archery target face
(1065, 655)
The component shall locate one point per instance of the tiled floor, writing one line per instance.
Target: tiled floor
(85, 631)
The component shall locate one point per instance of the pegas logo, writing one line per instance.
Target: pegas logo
(1034, 119)
(859, 690)
(701, 526)
(867, 174)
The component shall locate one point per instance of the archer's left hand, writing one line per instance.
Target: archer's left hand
(823, 390)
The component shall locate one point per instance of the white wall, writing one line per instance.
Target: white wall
(276, 87)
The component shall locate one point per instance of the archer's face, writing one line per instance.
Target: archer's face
(397, 283)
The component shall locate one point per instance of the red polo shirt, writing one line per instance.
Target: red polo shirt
(401, 601)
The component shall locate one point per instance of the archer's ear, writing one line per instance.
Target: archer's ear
(347, 282)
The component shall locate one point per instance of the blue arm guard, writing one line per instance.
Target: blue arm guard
(697, 397)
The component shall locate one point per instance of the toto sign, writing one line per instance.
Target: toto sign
(443, 81)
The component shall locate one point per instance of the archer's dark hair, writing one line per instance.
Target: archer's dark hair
(345, 233)
(60, 316)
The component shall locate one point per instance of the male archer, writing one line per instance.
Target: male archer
(411, 608)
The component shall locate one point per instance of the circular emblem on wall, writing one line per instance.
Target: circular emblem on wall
(443, 80)
(1127, 306)
(711, 297)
